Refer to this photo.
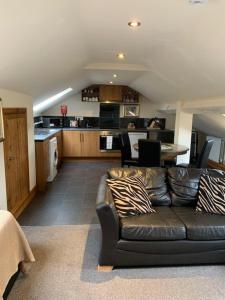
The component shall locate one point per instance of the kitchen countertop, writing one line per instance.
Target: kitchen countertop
(42, 134)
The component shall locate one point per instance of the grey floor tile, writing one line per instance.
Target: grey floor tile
(70, 199)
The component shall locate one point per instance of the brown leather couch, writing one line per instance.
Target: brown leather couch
(175, 235)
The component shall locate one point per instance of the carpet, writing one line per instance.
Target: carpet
(65, 268)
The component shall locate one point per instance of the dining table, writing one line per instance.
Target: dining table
(169, 151)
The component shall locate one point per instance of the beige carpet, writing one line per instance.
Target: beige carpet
(66, 269)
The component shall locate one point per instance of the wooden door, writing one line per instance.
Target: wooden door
(112, 93)
(71, 143)
(16, 157)
(90, 143)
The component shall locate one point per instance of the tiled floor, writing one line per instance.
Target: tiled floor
(70, 199)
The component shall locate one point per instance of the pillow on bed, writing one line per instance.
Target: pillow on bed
(130, 196)
(211, 197)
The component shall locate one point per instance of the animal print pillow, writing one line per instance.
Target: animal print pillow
(211, 197)
(130, 196)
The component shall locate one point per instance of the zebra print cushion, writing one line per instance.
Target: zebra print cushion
(130, 196)
(211, 196)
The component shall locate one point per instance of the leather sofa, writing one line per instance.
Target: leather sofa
(175, 235)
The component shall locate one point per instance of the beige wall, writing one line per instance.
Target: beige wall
(91, 109)
(14, 99)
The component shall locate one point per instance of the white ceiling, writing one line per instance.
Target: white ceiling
(177, 53)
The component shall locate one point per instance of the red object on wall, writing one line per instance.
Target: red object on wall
(64, 110)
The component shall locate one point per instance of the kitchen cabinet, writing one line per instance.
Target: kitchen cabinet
(90, 144)
(80, 143)
(71, 143)
(42, 163)
(83, 144)
(111, 93)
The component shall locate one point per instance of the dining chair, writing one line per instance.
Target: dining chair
(149, 153)
(203, 158)
(125, 148)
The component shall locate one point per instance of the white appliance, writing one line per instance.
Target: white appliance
(134, 137)
(53, 159)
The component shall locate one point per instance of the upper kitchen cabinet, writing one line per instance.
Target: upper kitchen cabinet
(90, 94)
(110, 93)
(129, 95)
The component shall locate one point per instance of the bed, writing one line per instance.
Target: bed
(15, 253)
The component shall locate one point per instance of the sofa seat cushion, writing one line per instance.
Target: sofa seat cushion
(201, 226)
(162, 225)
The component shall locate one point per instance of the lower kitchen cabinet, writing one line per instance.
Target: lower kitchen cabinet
(83, 144)
(42, 163)
(90, 143)
(71, 143)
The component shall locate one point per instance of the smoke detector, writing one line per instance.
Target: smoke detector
(197, 1)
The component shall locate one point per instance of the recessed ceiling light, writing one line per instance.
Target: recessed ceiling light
(111, 82)
(134, 24)
(114, 75)
(120, 55)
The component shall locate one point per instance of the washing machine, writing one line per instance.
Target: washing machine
(53, 159)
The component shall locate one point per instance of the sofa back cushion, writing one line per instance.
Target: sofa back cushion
(184, 185)
(154, 179)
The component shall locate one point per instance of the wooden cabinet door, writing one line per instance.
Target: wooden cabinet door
(16, 157)
(42, 164)
(112, 93)
(90, 143)
(71, 143)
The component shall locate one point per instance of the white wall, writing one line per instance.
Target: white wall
(76, 107)
(91, 109)
(14, 99)
(183, 131)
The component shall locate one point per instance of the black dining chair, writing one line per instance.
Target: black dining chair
(125, 147)
(149, 153)
(203, 158)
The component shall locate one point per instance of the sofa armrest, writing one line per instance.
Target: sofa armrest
(107, 215)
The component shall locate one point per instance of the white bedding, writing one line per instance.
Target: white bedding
(14, 249)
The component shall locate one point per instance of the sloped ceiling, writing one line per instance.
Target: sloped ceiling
(211, 124)
(177, 53)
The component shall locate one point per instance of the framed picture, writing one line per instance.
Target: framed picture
(1, 123)
(131, 110)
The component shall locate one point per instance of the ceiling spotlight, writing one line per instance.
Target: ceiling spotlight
(134, 24)
(111, 82)
(120, 55)
(114, 75)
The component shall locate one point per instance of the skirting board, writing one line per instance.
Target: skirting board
(18, 210)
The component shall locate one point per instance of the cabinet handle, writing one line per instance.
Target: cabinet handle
(80, 137)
